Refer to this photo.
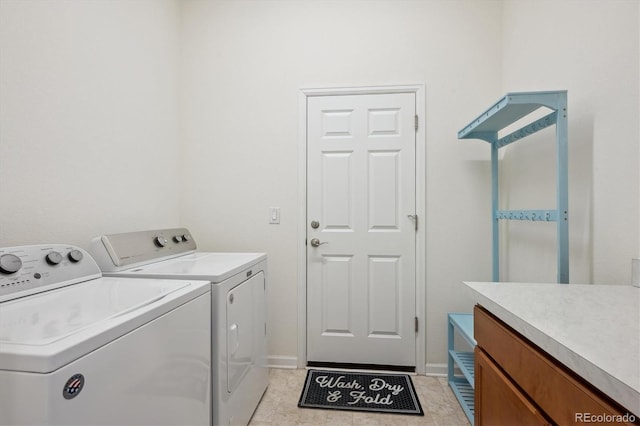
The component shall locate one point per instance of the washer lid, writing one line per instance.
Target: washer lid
(43, 332)
(214, 267)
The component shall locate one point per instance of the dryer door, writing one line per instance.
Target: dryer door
(245, 321)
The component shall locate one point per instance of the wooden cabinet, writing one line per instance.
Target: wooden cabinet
(518, 383)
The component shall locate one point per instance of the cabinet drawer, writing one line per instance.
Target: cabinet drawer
(554, 388)
(499, 402)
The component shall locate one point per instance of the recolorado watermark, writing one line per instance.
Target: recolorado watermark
(604, 418)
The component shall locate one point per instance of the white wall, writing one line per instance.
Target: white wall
(126, 115)
(591, 49)
(88, 119)
(244, 63)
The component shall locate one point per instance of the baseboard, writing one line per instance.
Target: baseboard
(361, 367)
(436, 370)
(276, 361)
(291, 362)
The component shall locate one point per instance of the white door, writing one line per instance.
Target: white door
(361, 279)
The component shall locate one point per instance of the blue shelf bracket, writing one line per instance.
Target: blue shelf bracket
(503, 113)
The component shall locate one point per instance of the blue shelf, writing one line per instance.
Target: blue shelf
(462, 386)
(465, 395)
(507, 110)
(502, 114)
(466, 362)
(464, 324)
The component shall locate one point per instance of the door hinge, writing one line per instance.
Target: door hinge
(416, 122)
(416, 322)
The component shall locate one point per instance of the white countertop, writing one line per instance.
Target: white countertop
(593, 330)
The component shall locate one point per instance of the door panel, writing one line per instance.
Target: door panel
(384, 121)
(361, 189)
(384, 190)
(384, 301)
(337, 194)
(336, 123)
(337, 282)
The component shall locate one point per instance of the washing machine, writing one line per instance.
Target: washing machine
(238, 315)
(77, 348)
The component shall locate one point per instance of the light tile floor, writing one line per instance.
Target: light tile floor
(279, 405)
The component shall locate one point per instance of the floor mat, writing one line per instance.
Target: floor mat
(377, 392)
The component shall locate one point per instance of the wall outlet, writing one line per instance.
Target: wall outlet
(635, 272)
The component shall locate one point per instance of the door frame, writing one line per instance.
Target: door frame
(305, 93)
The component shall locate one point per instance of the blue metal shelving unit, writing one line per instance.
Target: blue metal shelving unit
(509, 109)
(504, 113)
(462, 384)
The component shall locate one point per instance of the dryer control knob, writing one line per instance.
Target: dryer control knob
(177, 238)
(53, 258)
(75, 256)
(160, 241)
(10, 263)
(186, 237)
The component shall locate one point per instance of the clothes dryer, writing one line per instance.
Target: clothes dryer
(77, 348)
(238, 317)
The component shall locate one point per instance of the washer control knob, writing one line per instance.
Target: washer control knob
(186, 237)
(53, 258)
(75, 256)
(160, 241)
(177, 238)
(10, 263)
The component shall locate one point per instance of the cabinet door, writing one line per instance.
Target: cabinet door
(497, 400)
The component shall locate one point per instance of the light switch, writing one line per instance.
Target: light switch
(274, 215)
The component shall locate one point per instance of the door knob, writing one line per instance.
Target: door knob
(316, 242)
